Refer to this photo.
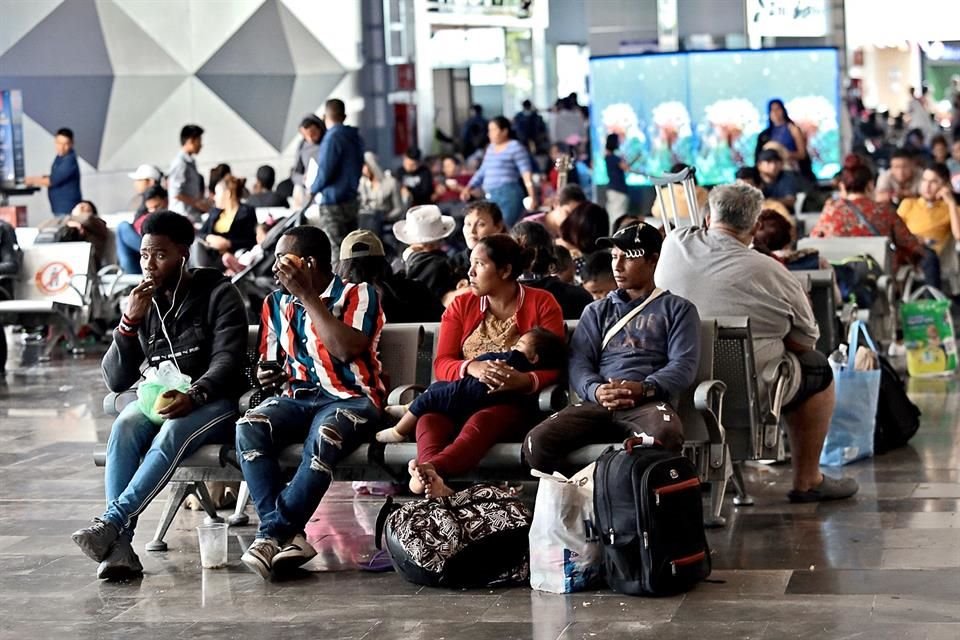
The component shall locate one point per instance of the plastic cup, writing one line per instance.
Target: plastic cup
(213, 545)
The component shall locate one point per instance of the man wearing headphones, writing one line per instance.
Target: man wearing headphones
(194, 318)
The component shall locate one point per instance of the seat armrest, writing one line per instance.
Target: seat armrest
(404, 393)
(552, 398)
(708, 400)
(114, 403)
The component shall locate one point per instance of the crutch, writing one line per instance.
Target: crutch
(665, 183)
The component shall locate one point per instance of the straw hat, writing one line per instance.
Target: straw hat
(424, 224)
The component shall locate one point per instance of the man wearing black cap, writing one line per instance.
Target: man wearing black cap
(632, 352)
(777, 184)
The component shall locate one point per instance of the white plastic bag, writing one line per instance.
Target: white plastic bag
(565, 554)
(157, 381)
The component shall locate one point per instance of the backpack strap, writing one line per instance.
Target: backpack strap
(863, 218)
(630, 315)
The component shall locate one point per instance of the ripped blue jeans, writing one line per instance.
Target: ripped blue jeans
(329, 429)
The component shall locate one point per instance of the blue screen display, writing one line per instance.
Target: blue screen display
(707, 109)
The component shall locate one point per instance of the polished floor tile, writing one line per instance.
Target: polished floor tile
(883, 565)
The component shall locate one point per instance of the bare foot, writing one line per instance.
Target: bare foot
(435, 487)
(396, 411)
(418, 483)
(389, 436)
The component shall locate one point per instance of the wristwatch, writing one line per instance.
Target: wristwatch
(198, 394)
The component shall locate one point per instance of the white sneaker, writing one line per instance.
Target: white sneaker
(295, 553)
(259, 556)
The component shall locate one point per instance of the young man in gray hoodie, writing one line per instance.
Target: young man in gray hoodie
(194, 318)
(632, 353)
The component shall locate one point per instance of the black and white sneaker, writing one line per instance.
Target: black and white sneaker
(295, 553)
(259, 556)
(97, 539)
(121, 563)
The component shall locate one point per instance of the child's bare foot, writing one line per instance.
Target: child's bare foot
(391, 435)
(434, 486)
(396, 410)
(418, 483)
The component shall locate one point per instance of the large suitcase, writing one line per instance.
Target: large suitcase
(649, 514)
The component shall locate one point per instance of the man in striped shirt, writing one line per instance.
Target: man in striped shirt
(318, 346)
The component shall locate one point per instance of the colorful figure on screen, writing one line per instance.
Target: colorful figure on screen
(817, 119)
(727, 138)
(620, 118)
(673, 140)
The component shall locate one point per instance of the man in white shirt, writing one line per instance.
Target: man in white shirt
(184, 182)
(716, 269)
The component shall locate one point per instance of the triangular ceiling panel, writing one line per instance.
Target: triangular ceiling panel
(309, 94)
(257, 47)
(166, 20)
(16, 24)
(258, 99)
(339, 33)
(213, 23)
(309, 56)
(227, 136)
(44, 98)
(44, 51)
(132, 101)
(154, 142)
(132, 51)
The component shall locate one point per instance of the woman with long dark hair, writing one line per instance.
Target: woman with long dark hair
(505, 164)
(785, 132)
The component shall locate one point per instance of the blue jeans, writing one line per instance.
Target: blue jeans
(329, 429)
(128, 248)
(509, 198)
(930, 265)
(131, 483)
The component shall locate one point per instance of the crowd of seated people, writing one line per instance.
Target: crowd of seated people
(500, 290)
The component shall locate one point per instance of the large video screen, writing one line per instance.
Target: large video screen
(707, 108)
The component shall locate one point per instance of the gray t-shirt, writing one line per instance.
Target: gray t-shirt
(720, 275)
(184, 178)
(886, 184)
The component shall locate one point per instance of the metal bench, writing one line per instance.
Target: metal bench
(56, 286)
(882, 316)
(819, 286)
(751, 421)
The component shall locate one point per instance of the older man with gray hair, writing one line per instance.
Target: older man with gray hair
(716, 269)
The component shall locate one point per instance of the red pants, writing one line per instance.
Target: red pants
(453, 453)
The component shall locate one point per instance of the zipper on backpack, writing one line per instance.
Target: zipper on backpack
(673, 488)
(613, 535)
(646, 540)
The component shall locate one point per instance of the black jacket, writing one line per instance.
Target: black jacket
(243, 230)
(267, 199)
(433, 269)
(209, 333)
(10, 259)
(406, 300)
(571, 298)
(420, 184)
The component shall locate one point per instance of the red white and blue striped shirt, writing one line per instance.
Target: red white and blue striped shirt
(288, 336)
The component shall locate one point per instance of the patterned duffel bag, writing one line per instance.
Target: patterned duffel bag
(477, 537)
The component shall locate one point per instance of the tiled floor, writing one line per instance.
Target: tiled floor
(885, 565)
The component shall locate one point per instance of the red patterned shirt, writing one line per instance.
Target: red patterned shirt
(840, 220)
(288, 336)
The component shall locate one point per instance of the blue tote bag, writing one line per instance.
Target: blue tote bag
(854, 418)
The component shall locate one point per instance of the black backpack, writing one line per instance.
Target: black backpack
(857, 278)
(649, 516)
(478, 537)
(897, 417)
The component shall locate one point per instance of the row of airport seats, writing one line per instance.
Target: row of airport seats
(725, 424)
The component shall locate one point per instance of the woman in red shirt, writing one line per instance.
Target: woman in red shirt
(490, 318)
(857, 214)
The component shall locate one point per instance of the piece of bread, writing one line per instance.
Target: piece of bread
(162, 402)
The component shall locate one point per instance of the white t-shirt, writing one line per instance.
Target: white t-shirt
(722, 277)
